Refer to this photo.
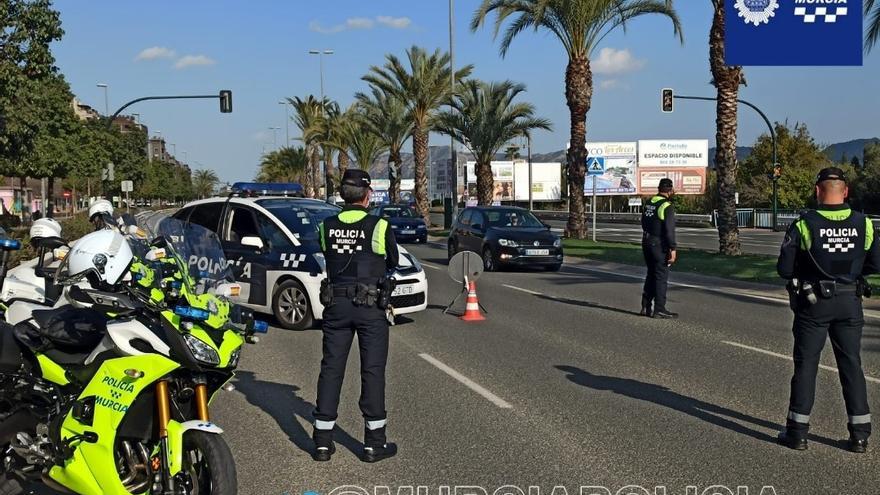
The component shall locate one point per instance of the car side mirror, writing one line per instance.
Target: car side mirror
(252, 241)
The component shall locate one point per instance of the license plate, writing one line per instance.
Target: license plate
(408, 232)
(537, 252)
(402, 290)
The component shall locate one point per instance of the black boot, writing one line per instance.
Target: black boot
(664, 314)
(376, 447)
(791, 440)
(857, 445)
(324, 447)
(646, 307)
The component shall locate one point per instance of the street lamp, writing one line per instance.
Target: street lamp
(275, 135)
(106, 99)
(286, 122)
(320, 54)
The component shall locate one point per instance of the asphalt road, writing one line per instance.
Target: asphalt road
(754, 241)
(563, 385)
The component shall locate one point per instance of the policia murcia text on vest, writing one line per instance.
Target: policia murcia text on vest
(360, 251)
(825, 256)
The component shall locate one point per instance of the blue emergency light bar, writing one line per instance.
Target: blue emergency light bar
(267, 189)
(10, 244)
(192, 313)
(260, 326)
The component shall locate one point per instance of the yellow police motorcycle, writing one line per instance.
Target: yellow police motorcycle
(119, 404)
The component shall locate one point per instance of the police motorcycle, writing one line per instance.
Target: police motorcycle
(33, 281)
(92, 405)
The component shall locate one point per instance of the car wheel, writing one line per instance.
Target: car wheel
(291, 307)
(450, 249)
(489, 263)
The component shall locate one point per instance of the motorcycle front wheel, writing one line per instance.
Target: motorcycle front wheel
(208, 466)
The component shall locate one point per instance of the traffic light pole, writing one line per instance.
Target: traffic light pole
(147, 98)
(773, 177)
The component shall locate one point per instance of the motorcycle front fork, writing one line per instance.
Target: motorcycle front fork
(163, 410)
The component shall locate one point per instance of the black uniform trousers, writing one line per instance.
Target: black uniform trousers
(840, 318)
(342, 320)
(658, 273)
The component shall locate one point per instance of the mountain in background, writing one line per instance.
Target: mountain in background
(379, 169)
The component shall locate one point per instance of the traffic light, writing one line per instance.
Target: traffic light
(225, 101)
(666, 100)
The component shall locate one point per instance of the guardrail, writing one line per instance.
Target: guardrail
(626, 217)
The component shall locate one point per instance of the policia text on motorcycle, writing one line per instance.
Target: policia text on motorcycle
(658, 247)
(359, 249)
(825, 256)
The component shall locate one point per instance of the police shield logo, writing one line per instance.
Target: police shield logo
(756, 11)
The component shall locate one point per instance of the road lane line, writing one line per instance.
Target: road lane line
(788, 358)
(467, 382)
(429, 265)
(527, 291)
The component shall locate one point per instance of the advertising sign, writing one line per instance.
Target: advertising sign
(546, 181)
(685, 180)
(620, 169)
(502, 175)
(672, 153)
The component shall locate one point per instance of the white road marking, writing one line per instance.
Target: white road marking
(467, 382)
(429, 265)
(788, 358)
(527, 291)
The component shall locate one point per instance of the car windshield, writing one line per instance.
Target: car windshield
(398, 212)
(512, 218)
(301, 217)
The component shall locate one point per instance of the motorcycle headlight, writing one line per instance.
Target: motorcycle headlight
(507, 243)
(201, 351)
(233, 359)
(557, 243)
(322, 261)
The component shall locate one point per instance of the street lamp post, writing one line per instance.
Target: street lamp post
(453, 156)
(106, 98)
(320, 54)
(529, 145)
(275, 136)
(286, 122)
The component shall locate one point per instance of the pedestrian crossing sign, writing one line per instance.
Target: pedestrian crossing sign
(595, 165)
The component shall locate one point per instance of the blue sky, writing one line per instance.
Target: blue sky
(259, 51)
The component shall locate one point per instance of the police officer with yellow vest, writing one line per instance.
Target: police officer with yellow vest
(825, 255)
(359, 249)
(658, 247)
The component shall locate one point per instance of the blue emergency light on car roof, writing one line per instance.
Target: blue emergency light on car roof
(267, 189)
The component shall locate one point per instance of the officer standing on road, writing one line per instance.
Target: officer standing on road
(658, 247)
(825, 255)
(359, 249)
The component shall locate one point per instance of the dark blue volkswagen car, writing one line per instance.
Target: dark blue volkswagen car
(408, 226)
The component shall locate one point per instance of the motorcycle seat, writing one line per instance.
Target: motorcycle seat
(66, 335)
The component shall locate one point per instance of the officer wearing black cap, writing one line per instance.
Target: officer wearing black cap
(825, 255)
(359, 249)
(658, 247)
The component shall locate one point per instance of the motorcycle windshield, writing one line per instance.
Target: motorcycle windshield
(199, 251)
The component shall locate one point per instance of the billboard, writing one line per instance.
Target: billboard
(502, 175)
(685, 180)
(620, 169)
(673, 153)
(546, 181)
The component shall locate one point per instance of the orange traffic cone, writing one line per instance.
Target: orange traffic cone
(472, 310)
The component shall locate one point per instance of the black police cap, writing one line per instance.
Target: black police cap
(356, 177)
(830, 173)
(665, 185)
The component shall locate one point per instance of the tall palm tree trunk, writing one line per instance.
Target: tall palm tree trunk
(394, 165)
(307, 175)
(342, 162)
(329, 170)
(485, 183)
(316, 172)
(420, 153)
(727, 81)
(579, 96)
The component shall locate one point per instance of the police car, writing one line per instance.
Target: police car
(270, 237)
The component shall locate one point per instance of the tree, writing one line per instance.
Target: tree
(385, 115)
(727, 80)
(364, 146)
(868, 191)
(579, 25)
(308, 118)
(204, 183)
(424, 86)
(288, 164)
(872, 14)
(484, 118)
(802, 159)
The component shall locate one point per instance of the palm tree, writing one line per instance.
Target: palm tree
(579, 25)
(204, 182)
(423, 86)
(329, 125)
(873, 34)
(308, 119)
(484, 118)
(337, 121)
(385, 115)
(364, 146)
(726, 80)
(288, 164)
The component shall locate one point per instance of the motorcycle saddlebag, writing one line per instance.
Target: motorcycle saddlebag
(11, 358)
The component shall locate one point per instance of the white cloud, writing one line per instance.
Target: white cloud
(394, 22)
(155, 52)
(361, 23)
(609, 83)
(611, 61)
(193, 61)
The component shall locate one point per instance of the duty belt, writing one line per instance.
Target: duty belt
(349, 291)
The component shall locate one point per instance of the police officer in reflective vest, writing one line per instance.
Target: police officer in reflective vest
(658, 247)
(359, 249)
(825, 255)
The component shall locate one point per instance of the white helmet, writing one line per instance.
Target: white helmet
(100, 206)
(45, 228)
(102, 257)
